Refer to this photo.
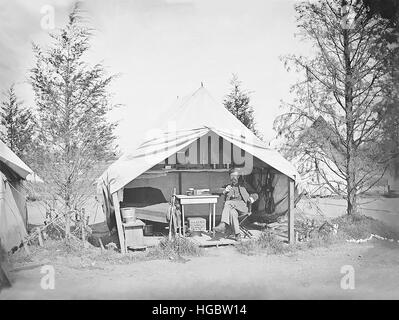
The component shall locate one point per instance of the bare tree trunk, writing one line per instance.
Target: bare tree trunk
(351, 192)
(68, 224)
(68, 215)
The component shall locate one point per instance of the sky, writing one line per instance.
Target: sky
(162, 49)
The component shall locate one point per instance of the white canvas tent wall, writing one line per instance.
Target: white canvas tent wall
(179, 127)
(12, 200)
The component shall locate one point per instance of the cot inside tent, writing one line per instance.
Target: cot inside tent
(195, 144)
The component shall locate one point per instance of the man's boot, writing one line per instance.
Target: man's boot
(221, 227)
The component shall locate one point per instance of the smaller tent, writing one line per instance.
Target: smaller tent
(13, 213)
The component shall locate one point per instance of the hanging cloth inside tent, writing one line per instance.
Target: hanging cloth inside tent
(268, 190)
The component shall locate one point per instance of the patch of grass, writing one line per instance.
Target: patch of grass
(265, 243)
(74, 255)
(174, 248)
(360, 227)
(349, 227)
(316, 241)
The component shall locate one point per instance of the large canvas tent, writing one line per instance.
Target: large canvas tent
(13, 212)
(193, 144)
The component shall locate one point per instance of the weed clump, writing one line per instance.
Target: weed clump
(267, 243)
(175, 247)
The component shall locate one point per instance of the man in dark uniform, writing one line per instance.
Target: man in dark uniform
(237, 199)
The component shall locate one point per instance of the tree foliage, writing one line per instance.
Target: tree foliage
(334, 125)
(72, 103)
(389, 9)
(17, 123)
(238, 103)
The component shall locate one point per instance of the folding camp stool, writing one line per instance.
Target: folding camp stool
(241, 221)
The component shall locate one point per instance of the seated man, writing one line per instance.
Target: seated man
(237, 198)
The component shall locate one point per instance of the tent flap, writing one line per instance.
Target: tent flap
(132, 165)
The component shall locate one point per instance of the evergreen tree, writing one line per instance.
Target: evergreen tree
(238, 103)
(73, 101)
(17, 124)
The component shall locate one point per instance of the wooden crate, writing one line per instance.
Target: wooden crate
(196, 224)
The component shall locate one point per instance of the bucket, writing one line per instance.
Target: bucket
(149, 230)
(128, 214)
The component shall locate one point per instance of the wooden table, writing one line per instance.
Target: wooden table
(201, 199)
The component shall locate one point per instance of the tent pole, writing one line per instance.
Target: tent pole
(291, 205)
(118, 219)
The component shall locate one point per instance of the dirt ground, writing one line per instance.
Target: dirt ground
(223, 273)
